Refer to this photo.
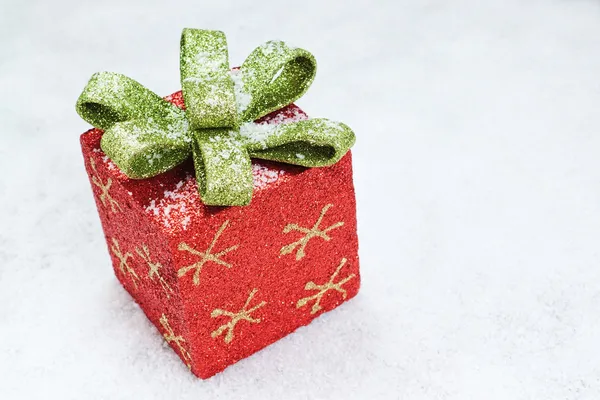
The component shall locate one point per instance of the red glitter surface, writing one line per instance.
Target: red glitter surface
(159, 226)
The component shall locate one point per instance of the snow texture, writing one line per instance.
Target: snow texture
(478, 183)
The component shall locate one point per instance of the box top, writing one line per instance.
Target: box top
(171, 199)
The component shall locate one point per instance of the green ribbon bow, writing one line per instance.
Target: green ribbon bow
(146, 135)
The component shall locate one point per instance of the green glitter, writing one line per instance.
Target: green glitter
(145, 135)
(275, 75)
(207, 87)
(223, 168)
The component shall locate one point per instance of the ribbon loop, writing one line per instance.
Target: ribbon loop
(143, 148)
(273, 76)
(206, 83)
(109, 98)
(311, 143)
(145, 135)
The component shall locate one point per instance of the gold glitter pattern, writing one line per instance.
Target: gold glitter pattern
(310, 233)
(170, 336)
(242, 315)
(205, 256)
(105, 196)
(123, 264)
(145, 135)
(154, 270)
(330, 285)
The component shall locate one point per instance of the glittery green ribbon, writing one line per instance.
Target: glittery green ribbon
(145, 135)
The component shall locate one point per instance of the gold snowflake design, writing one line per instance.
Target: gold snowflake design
(170, 336)
(310, 233)
(242, 315)
(123, 264)
(154, 269)
(330, 285)
(205, 256)
(104, 189)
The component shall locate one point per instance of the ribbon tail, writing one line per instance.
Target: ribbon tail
(311, 143)
(223, 168)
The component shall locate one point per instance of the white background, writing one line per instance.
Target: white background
(477, 174)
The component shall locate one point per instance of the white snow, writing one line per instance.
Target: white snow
(242, 97)
(257, 133)
(277, 74)
(263, 176)
(174, 200)
(478, 187)
(209, 62)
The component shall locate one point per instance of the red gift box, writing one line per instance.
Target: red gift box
(221, 283)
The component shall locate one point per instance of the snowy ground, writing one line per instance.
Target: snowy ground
(478, 184)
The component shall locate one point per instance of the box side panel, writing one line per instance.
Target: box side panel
(266, 269)
(139, 251)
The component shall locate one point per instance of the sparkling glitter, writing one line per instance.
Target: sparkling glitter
(165, 210)
(146, 135)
